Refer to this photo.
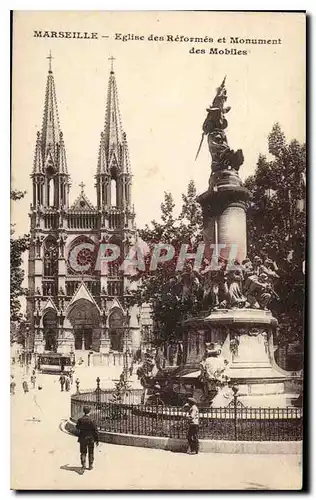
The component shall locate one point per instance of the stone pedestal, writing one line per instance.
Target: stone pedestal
(224, 216)
(105, 345)
(244, 338)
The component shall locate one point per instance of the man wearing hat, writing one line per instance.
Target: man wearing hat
(88, 435)
(193, 429)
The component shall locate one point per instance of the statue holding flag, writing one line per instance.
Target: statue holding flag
(223, 158)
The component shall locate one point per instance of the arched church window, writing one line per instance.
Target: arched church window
(50, 258)
(50, 331)
(116, 331)
(114, 266)
(51, 192)
(113, 192)
(126, 192)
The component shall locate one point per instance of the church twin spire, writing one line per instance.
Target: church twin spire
(50, 154)
(113, 151)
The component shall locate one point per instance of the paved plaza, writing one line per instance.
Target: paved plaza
(46, 457)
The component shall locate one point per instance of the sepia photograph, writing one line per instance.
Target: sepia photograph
(158, 239)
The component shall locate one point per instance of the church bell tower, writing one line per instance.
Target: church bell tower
(72, 304)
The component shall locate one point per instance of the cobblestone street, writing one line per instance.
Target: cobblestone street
(45, 457)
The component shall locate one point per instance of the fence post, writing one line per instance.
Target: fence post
(77, 385)
(235, 391)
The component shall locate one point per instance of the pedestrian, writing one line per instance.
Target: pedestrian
(67, 383)
(87, 436)
(33, 379)
(193, 429)
(12, 385)
(71, 376)
(25, 386)
(62, 380)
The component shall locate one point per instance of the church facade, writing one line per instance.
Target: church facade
(73, 303)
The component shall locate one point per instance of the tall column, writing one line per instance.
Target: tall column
(224, 215)
(39, 341)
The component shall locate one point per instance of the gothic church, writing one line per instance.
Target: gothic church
(72, 304)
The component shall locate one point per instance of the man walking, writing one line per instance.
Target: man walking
(33, 379)
(88, 435)
(12, 385)
(62, 380)
(193, 429)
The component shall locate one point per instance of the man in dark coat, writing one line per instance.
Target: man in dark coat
(88, 435)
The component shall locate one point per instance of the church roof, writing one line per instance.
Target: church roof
(50, 150)
(113, 150)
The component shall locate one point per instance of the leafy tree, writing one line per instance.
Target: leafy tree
(276, 226)
(161, 288)
(18, 245)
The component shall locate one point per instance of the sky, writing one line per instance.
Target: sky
(163, 90)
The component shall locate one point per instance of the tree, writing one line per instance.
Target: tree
(161, 288)
(18, 245)
(276, 226)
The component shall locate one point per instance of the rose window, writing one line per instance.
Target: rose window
(84, 257)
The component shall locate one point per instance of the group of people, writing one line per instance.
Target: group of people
(66, 380)
(25, 383)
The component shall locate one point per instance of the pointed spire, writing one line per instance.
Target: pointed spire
(113, 151)
(50, 141)
(50, 126)
(38, 161)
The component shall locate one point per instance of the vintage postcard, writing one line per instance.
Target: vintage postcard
(157, 250)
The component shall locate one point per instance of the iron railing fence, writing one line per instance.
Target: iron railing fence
(234, 422)
(131, 397)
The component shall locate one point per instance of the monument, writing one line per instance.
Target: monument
(231, 347)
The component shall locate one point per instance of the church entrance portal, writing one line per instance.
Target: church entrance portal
(84, 317)
(83, 338)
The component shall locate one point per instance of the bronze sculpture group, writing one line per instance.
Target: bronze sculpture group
(231, 285)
